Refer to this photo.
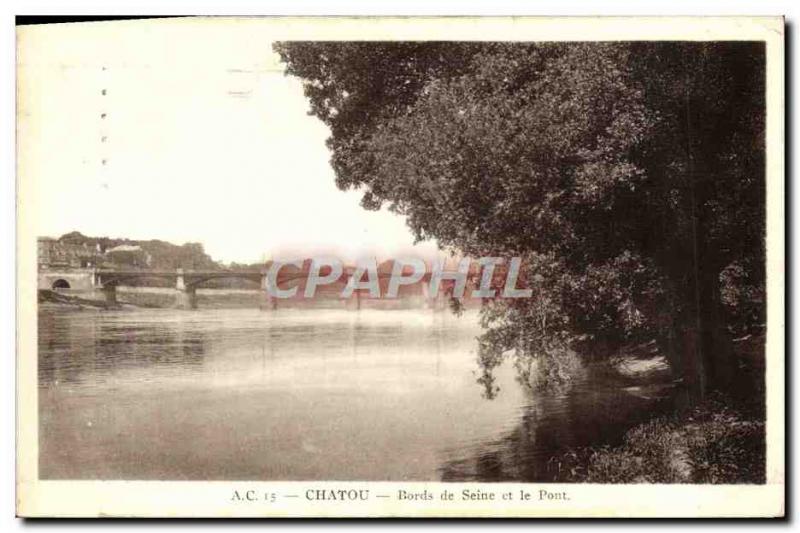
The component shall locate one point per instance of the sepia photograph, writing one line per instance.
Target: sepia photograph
(400, 267)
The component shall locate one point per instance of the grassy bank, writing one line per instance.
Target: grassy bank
(717, 442)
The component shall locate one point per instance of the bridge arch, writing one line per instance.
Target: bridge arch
(60, 283)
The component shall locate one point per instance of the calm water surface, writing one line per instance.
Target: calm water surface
(298, 395)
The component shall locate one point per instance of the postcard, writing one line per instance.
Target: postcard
(401, 267)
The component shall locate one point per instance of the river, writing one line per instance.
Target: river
(315, 394)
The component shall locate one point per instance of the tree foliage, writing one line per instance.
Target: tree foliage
(630, 176)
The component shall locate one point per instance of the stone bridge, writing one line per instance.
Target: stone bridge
(186, 283)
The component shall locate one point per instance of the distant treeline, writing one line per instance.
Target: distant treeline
(166, 256)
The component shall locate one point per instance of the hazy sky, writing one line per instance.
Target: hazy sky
(184, 131)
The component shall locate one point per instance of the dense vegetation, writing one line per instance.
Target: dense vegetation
(630, 176)
(711, 443)
(163, 255)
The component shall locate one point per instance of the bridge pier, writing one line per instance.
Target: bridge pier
(354, 302)
(185, 295)
(267, 302)
(432, 301)
(110, 294)
(186, 298)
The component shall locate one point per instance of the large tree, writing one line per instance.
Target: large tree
(629, 175)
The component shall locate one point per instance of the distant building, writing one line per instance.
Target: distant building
(53, 253)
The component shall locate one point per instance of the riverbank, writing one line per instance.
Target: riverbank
(722, 440)
(718, 442)
(53, 299)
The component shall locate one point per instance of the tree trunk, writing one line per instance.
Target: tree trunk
(717, 347)
(700, 348)
(707, 347)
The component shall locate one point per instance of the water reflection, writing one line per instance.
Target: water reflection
(79, 349)
(297, 395)
(595, 411)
